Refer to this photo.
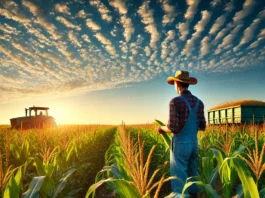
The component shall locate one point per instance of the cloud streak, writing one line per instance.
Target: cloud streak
(189, 15)
(107, 43)
(249, 33)
(192, 9)
(92, 25)
(103, 10)
(62, 8)
(41, 20)
(126, 22)
(199, 28)
(170, 12)
(148, 20)
(67, 23)
(247, 8)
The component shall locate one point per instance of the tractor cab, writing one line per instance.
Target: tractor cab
(37, 111)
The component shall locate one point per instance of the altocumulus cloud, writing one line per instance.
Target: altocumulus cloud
(72, 47)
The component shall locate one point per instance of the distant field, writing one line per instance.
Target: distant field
(4, 126)
(74, 126)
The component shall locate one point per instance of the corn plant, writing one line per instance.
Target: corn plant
(5, 173)
(11, 177)
(232, 166)
(52, 157)
(12, 189)
(131, 169)
(151, 138)
(14, 185)
(255, 160)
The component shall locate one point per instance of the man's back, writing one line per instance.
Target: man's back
(179, 112)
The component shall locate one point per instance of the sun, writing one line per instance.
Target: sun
(60, 114)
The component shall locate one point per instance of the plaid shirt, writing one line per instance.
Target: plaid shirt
(179, 112)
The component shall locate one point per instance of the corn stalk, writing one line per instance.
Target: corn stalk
(131, 169)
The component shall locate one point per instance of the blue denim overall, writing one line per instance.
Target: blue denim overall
(184, 153)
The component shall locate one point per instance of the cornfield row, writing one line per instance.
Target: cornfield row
(59, 162)
(69, 162)
(231, 163)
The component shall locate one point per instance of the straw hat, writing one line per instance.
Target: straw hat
(182, 76)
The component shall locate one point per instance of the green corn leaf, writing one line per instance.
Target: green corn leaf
(69, 153)
(262, 193)
(12, 188)
(47, 186)
(18, 176)
(210, 191)
(248, 184)
(227, 170)
(26, 149)
(27, 163)
(126, 189)
(219, 157)
(49, 169)
(93, 187)
(160, 123)
(207, 167)
(15, 150)
(238, 151)
(214, 175)
(166, 136)
(7, 193)
(207, 188)
(34, 187)
(122, 187)
(63, 182)
(39, 166)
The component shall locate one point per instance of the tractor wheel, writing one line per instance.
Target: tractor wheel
(48, 123)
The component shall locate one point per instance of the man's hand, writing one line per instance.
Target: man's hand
(160, 130)
(163, 129)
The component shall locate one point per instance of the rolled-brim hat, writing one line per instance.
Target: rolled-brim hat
(182, 76)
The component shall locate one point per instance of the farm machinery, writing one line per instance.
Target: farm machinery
(39, 119)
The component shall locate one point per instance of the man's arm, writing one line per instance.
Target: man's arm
(172, 125)
(165, 129)
(202, 122)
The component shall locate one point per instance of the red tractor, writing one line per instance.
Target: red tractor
(39, 120)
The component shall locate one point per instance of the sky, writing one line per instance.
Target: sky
(104, 62)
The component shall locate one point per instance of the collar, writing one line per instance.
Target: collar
(185, 92)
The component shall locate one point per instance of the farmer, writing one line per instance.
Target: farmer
(186, 116)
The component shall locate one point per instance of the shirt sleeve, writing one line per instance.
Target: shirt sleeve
(173, 122)
(201, 117)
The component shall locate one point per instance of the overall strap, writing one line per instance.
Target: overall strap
(186, 101)
(188, 104)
